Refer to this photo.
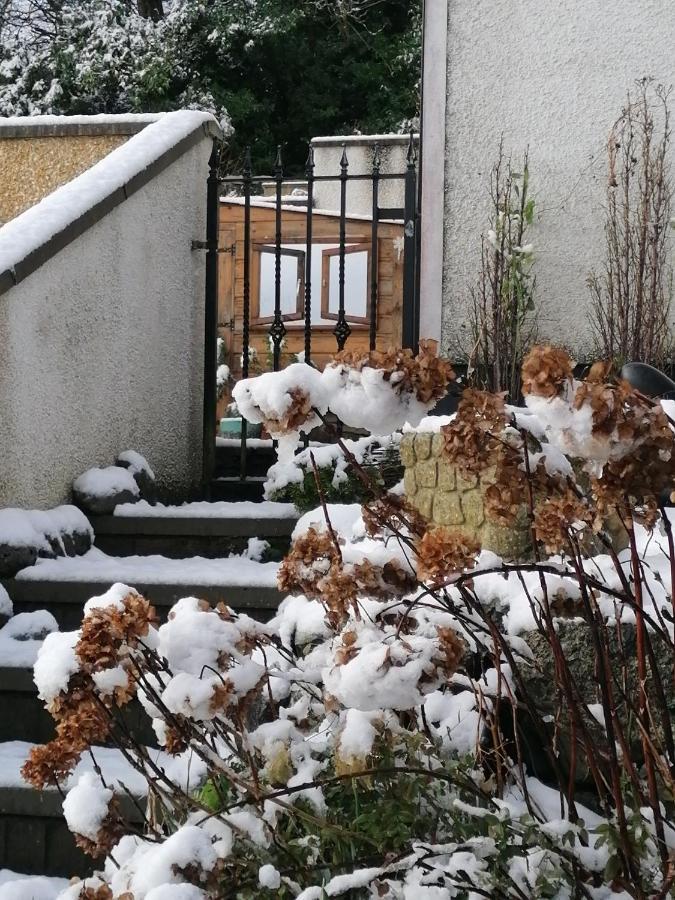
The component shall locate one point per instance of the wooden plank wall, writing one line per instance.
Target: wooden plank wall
(325, 228)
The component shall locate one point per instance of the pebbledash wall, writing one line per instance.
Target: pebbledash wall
(102, 318)
(553, 76)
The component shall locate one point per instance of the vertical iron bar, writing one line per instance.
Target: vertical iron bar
(277, 328)
(411, 322)
(309, 171)
(210, 324)
(374, 248)
(247, 175)
(342, 329)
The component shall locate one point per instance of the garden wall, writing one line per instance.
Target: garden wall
(102, 319)
(553, 76)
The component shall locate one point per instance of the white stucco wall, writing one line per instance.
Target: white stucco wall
(552, 76)
(102, 346)
(360, 150)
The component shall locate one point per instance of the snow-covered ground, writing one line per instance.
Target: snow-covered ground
(29, 887)
(243, 509)
(96, 566)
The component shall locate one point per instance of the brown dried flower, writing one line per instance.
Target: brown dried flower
(425, 375)
(444, 552)
(545, 371)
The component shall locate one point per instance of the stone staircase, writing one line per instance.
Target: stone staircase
(34, 838)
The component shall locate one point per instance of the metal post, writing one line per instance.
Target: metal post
(246, 181)
(277, 328)
(309, 171)
(374, 248)
(411, 319)
(342, 329)
(210, 324)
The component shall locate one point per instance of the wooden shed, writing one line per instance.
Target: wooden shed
(324, 283)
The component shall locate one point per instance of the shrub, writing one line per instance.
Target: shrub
(422, 718)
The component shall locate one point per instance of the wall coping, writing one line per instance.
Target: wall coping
(39, 233)
(363, 140)
(77, 126)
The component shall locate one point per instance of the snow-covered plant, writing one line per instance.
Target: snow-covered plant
(326, 471)
(421, 719)
(377, 391)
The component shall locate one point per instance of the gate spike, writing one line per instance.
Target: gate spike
(248, 165)
(278, 164)
(344, 162)
(309, 165)
(412, 152)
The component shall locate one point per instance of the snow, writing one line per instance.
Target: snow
(56, 663)
(269, 877)
(293, 470)
(95, 566)
(36, 528)
(86, 806)
(367, 398)
(6, 608)
(153, 867)
(117, 772)
(22, 636)
(106, 482)
(222, 509)
(37, 225)
(136, 463)
(429, 424)
(99, 119)
(29, 887)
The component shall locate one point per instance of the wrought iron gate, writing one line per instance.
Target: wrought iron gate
(248, 186)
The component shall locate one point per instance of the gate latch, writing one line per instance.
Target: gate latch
(207, 245)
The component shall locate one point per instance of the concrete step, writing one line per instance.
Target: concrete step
(260, 455)
(34, 837)
(65, 599)
(233, 489)
(24, 718)
(215, 530)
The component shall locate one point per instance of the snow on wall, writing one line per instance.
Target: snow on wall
(102, 345)
(554, 76)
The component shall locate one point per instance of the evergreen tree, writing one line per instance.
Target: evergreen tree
(277, 71)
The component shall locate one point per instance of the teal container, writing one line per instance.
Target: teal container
(232, 428)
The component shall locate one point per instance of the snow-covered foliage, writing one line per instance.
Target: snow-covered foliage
(419, 720)
(294, 479)
(102, 56)
(376, 391)
(104, 482)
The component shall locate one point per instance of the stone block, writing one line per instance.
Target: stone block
(446, 476)
(437, 442)
(407, 450)
(409, 483)
(424, 501)
(466, 481)
(473, 508)
(447, 508)
(423, 445)
(426, 473)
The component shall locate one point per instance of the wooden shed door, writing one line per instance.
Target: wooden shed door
(226, 275)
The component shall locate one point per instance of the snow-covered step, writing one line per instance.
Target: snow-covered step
(194, 529)
(34, 838)
(63, 585)
(24, 718)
